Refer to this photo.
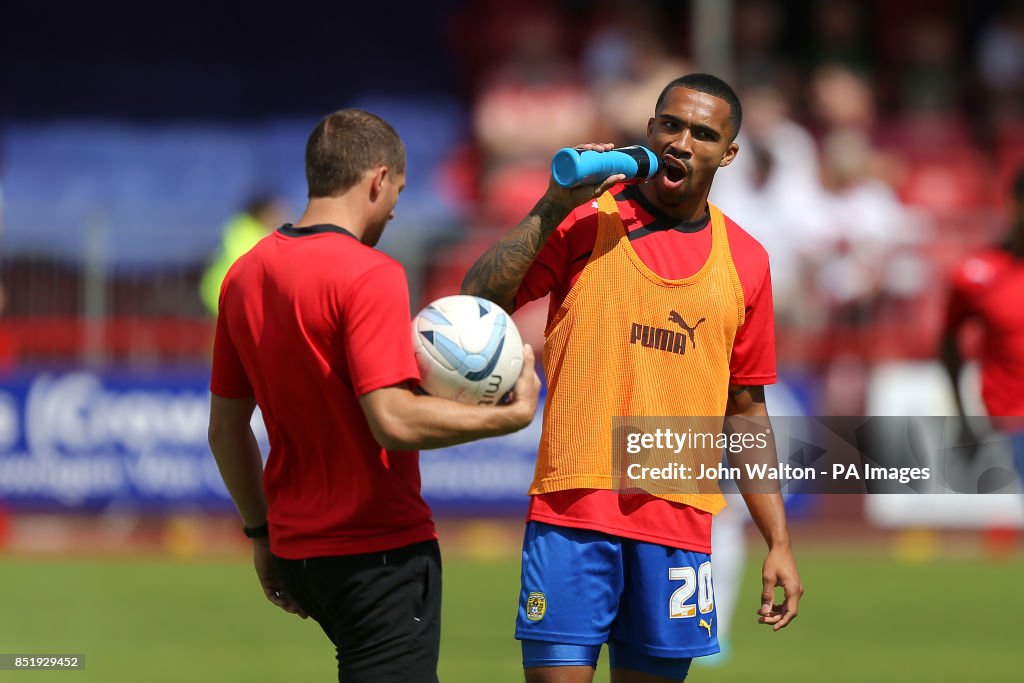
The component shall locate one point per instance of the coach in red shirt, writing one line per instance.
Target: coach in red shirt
(988, 288)
(313, 327)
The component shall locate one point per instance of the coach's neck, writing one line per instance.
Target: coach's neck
(363, 209)
(346, 211)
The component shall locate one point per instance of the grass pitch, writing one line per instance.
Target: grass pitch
(863, 618)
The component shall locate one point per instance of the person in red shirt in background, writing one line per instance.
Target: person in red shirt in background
(988, 288)
(313, 327)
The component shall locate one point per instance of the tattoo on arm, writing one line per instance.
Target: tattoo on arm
(497, 274)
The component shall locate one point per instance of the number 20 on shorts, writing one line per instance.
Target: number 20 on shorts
(698, 582)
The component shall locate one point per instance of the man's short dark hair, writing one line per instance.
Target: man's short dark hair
(346, 144)
(711, 85)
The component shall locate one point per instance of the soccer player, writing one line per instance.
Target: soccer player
(314, 328)
(988, 287)
(599, 566)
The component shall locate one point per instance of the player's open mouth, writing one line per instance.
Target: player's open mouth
(674, 173)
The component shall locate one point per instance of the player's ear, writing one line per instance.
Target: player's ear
(729, 155)
(650, 126)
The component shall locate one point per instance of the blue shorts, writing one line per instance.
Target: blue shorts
(586, 588)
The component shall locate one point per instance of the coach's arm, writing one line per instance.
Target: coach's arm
(766, 508)
(402, 420)
(238, 458)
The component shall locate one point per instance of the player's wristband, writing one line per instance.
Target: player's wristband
(261, 531)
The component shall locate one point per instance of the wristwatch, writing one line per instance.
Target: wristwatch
(261, 531)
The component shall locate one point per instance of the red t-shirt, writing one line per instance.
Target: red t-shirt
(989, 288)
(310, 320)
(673, 250)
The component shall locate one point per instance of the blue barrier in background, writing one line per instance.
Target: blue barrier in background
(79, 440)
(85, 441)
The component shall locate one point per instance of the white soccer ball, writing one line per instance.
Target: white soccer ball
(468, 349)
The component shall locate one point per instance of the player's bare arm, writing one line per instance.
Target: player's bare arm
(766, 509)
(952, 362)
(497, 274)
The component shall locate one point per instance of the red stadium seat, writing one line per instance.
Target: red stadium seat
(947, 179)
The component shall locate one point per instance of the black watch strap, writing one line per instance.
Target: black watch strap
(261, 531)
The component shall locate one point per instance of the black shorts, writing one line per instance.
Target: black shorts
(381, 610)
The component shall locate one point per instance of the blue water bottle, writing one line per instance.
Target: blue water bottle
(571, 167)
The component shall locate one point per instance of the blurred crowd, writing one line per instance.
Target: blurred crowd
(876, 144)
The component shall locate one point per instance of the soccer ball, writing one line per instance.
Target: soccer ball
(468, 349)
